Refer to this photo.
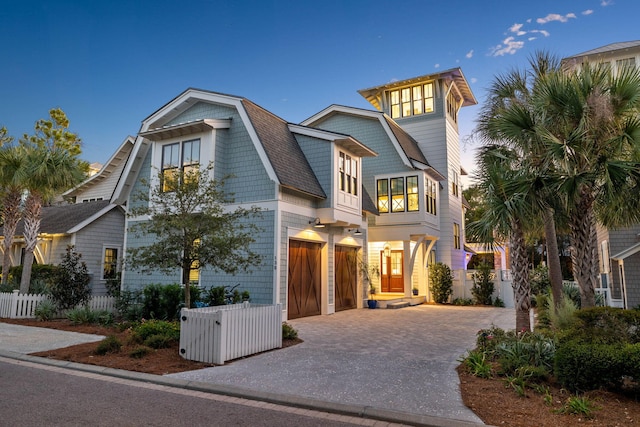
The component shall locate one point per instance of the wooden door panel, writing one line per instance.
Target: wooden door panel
(304, 279)
(346, 277)
(392, 272)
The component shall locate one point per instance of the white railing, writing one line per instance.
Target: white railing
(221, 333)
(14, 305)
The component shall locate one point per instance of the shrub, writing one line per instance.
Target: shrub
(583, 367)
(79, 316)
(498, 302)
(539, 280)
(222, 295)
(578, 406)
(159, 341)
(563, 316)
(441, 282)
(482, 289)
(525, 350)
(42, 277)
(129, 305)
(71, 281)
(156, 327)
(110, 344)
(607, 325)
(139, 352)
(477, 364)
(46, 310)
(462, 301)
(288, 332)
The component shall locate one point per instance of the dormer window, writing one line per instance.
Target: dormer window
(411, 101)
(348, 174)
(178, 159)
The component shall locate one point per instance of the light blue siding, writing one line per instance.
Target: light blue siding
(138, 186)
(318, 153)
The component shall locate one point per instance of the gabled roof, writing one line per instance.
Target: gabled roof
(69, 218)
(404, 143)
(121, 155)
(610, 48)
(454, 74)
(282, 157)
(368, 204)
(631, 250)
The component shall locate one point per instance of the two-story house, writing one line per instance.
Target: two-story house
(619, 250)
(415, 179)
(306, 181)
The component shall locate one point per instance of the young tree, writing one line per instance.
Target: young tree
(71, 285)
(51, 165)
(191, 226)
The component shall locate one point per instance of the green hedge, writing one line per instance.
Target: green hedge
(581, 367)
(606, 325)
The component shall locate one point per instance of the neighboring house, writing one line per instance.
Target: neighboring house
(619, 250)
(307, 181)
(415, 179)
(94, 228)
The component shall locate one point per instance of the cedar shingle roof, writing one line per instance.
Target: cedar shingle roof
(62, 218)
(285, 155)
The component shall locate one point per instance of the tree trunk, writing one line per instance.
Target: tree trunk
(553, 257)
(32, 215)
(11, 215)
(584, 250)
(186, 270)
(520, 277)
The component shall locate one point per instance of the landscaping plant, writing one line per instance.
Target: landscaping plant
(482, 289)
(70, 287)
(441, 282)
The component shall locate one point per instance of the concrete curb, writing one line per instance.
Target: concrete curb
(275, 398)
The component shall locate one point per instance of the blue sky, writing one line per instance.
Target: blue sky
(110, 64)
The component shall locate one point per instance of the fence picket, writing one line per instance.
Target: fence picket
(14, 305)
(218, 334)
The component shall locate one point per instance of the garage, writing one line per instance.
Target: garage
(346, 278)
(304, 279)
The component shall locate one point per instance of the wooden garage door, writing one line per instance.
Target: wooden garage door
(304, 287)
(346, 279)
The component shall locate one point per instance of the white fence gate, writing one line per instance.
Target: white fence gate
(14, 305)
(502, 288)
(221, 333)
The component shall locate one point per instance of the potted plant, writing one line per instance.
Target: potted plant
(415, 291)
(371, 302)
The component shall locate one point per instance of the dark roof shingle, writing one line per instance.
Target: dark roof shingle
(62, 218)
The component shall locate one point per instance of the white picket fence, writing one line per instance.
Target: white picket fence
(14, 305)
(221, 333)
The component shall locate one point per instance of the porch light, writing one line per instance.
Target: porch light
(316, 223)
(387, 250)
(355, 231)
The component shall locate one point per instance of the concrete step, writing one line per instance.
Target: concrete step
(398, 304)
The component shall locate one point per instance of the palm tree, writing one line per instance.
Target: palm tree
(508, 119)
(10, 163)
(46, 172)
(509, 210)
(51, 165)
(588, 121)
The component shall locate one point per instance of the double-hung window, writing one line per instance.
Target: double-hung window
(411, 101)
(430, 196)
(110, 263)
(348, 174)
(179, 159)
(456, 236)
(397, 194)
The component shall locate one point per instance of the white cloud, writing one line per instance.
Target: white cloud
(587, 12)
(509, 46)
(437, 65)
(555, 17)
(529, 21)
(515, 28)
(469, 54)
(605, 3)
(531, 39)
(543, 32)
(474, 80)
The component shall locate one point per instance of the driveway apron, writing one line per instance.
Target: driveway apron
(401, 360)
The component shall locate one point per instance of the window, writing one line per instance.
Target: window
(383, 196)
(411, 101)
(456, 236)
(194, 272)
(404, 197)
(412, 194)
(177, 162)
(348, 174)
(455, 184)
(110, 263)
(452, 106)
(430, 196)
(397, 194)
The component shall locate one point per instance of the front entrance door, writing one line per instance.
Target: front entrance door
(304, 279)
(346, 277)
(391, 273)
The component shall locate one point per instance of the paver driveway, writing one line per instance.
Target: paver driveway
(402, 360)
